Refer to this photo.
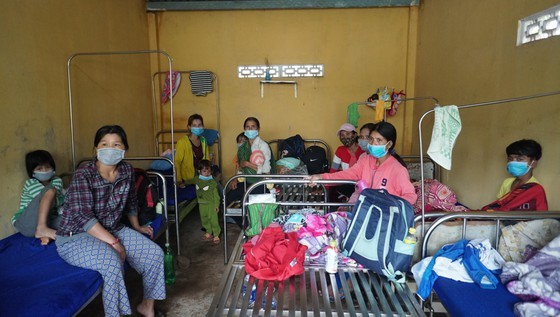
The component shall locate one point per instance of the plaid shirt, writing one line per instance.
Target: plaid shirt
(91, 199)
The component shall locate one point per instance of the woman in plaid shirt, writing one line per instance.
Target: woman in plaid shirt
(92, 236)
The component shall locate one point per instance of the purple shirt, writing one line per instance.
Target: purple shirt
(91, 199)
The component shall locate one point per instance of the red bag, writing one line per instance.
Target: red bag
(530, 197)
(274, 255)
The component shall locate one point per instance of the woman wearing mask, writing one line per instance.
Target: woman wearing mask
(255, 147)
(363, 138)
(191, 149)
(92, 236)
(348, 153)
(382, 168)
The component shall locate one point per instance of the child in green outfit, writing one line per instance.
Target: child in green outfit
(208, 201)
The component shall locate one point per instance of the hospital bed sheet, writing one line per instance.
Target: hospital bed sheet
(36, 281)
(462, 299)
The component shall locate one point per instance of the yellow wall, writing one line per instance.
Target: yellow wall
(361, 49)
(467, 54)
(38, 38)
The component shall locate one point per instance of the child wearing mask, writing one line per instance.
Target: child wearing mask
(522, 191)
(208, 201)
(41, 198)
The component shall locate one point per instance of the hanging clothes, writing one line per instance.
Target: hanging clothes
(201, 82)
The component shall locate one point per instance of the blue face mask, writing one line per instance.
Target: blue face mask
(517, 169)
(205, 178)
(110, 156)
(363, 144)
(197, 131)
(43, 176)
(377, 151)
(251, 134)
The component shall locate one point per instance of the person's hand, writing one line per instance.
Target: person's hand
(181, 184)
(244, 164)
(120, 250)
(146, 230)
(312, 179)
(233, 184)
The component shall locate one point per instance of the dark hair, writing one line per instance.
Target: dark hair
(195, 117)
(370, 126)
(254, 120)
(36, 158)
(110, 129)
(530, 148)
(389, 132)
(241, 135)
(204, 164)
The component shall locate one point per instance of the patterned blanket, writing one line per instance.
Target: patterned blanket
(537, 281)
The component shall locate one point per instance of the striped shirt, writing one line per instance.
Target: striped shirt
(32, 188)
(90, 199)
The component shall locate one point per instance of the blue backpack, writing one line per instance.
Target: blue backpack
(376, 234)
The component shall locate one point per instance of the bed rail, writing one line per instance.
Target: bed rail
(365, 293)
(497, 216)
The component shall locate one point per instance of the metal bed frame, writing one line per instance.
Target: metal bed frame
(498, 217)
(365, 293)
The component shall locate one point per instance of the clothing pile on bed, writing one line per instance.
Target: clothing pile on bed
(531, 274)
(315, 231)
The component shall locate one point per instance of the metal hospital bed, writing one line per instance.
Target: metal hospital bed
(458, 297)
(364, 293)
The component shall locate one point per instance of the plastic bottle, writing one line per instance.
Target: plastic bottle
(169, 266)
(411, 237)
(159, 207)
(331, 263)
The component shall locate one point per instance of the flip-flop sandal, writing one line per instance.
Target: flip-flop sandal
(216, 240)
(207, 237)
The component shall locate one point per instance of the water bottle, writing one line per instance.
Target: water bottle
(169, 266)
(411, 237)
(331, 263)
(159, 207)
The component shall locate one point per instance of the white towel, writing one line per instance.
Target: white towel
(447, 125)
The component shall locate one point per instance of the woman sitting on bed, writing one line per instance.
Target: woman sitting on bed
(382, 168)
(191, 149)
(92, 236)
(522, 191)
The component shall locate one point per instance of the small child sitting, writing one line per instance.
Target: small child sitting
(208, 201)
(41, 197)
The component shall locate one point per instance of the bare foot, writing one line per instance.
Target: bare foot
(146, 308)
(45, 232)
(45, 240)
